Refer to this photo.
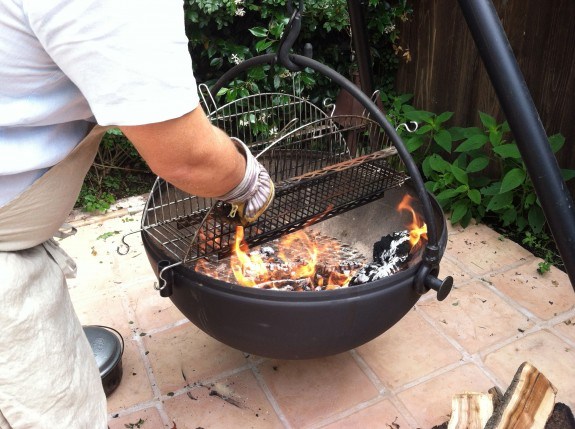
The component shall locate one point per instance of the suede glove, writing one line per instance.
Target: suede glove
(254, 193)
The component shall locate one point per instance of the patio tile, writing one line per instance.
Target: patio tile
(430, 402)
(549, 354)
(476, 317)
(545, 295)
(185, 355)
(148, 418)
(409, 350)
(483, 250)
(104, 308)
(151, 310)
(382, 415)
(567, 328)
(135, 385)
(235, 402)
(449, 267)
(310, 391)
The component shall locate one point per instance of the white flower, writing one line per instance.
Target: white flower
(238, 2)
(240, 11)
(235, 59)
(389, 28)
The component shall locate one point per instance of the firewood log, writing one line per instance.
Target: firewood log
(470, 410)
(527, 403)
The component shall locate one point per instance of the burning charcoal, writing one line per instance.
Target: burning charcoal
(267, 251)
(390, 255)
(372, 272)
(392, 249)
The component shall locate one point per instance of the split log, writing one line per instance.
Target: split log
(527, 403)
(470, 410)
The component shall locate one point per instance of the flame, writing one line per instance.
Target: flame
(299, 254)
(417, 228)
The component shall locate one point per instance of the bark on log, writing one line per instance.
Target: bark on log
(527, 403)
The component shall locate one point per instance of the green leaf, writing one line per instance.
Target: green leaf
(500, 201)
(509, 216)
(492, 189)
(477, 164)
(419, 116)
(259, 31)
(556, 141)
(459, 174)
(414, 143)
(529, 200)
(437, 163)
(424, 129)
(567, 174)
(488, 121)
(448, 194)
(507, 151)
(443, 139)
(262, 45)
(472, 143)
(459, 210)
(445, 116)
(536, 218)
(474, 195)
(513, 179)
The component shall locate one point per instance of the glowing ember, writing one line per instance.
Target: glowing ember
(296, 263)
(306, 260)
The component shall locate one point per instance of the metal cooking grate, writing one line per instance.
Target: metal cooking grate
(321, 165)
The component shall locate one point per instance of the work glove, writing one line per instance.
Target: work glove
(254, 193)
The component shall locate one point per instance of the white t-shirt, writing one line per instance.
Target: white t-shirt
(66, 63)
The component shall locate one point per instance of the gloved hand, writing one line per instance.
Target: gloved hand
(254, 193)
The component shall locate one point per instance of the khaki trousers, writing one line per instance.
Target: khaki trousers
(48, 376)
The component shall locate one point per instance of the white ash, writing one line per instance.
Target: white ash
(390, 255)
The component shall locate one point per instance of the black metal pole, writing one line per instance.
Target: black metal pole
(360, 40)
(525, 123)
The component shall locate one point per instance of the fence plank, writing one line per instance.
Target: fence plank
(446, 72)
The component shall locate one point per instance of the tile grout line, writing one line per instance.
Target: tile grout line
(384, 392)
(146, 361)
(268, 394)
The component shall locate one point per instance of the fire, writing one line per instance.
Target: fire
(417, 229)
(299, 256)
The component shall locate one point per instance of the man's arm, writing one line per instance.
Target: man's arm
(190, 153)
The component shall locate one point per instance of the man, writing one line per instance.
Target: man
(64, 66)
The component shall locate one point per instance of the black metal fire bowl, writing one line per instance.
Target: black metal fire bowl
(304, 325)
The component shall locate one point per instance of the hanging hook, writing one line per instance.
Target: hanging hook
(289, 37)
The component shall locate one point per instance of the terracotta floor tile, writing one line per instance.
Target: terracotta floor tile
(449, 268)
(567, 328)
(103, 307)
(148, 418)
(554, 358)
(382, 415)
(135, 385)
(476, 317)
(235, 402)
(152, 311)
(407, 351)
(430, 402)
(187, 350)
(483, 250)
(309, 391)
(545, 295)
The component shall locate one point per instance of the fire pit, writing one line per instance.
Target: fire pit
(300, 325)
(331, 175)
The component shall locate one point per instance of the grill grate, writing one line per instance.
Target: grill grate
(321, 165)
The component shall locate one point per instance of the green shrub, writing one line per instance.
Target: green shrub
(223, 33)
(474, 172)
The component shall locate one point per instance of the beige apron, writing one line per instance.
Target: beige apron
(48, 375)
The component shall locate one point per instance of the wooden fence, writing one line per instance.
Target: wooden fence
(446, 73)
